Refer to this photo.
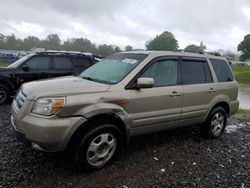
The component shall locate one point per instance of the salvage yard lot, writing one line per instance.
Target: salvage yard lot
(188, 160)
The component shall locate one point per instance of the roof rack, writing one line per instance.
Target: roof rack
(210, 53)
(65, 52)
(213, 53)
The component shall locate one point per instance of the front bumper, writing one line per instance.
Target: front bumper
(45, 133)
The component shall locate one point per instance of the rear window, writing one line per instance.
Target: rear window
(222, 70)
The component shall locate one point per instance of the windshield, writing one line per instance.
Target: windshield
(17, 63)
(113, 69)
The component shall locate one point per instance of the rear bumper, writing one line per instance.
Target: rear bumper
(46, 134)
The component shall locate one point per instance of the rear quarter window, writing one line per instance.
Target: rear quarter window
(222, 70)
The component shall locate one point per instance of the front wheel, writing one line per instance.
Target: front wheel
(215, 123)
(99, 147)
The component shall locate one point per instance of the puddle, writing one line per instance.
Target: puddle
(244, 97)
(234, 127)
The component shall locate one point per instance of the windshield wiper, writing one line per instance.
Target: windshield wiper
(88, 78)
(95, 80)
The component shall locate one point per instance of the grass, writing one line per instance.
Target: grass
(243, 111)
(242, 74)
(244, 115)
(4, 63)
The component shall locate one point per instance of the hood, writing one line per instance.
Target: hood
(63, 86)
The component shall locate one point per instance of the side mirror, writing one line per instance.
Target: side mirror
(145, 83)
(25, 68)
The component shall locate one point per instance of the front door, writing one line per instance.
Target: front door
(160, 106)
(37, 67)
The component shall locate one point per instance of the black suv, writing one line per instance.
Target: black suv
(40, 66)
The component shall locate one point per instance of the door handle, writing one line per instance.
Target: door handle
(211, 90)
(175, 94)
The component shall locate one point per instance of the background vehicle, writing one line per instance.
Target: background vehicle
(124, 95)
(42, 65)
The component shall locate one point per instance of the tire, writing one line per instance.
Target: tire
(99, 147)
(215, 123)
(4, 94)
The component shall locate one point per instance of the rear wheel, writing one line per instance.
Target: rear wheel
(215, 123)
(4, 94)
(99, 147)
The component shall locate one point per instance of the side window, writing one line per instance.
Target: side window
(165, 72)
(222, 70)
(193, 72)
(62, 63)
(82, 62)
(38, 63)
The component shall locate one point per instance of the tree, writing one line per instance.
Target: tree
(80, 44)
(244, 48)
(52, 42)
(164, 41)
(105, 50)
(2, 41)
(193, 48)
(128, 48)
(11, 42)
(117, 49)
(31, 42)
(231, 55)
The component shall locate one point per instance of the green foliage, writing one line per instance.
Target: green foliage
(80, 44)
(53, 42)
(243, 111)
(244, 48)
(105, 49)
(241, 74)
(164, 41)
(193, 48)
(128, 48)
(4, 63)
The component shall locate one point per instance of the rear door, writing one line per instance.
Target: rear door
(198, 88)
(62, 66)
(158, 107)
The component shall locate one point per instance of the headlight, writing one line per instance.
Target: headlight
(48, 106)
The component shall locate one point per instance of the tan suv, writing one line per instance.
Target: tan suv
(124, 95)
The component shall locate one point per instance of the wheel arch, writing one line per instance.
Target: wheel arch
(224, 105)
(4, 81)
(95, 121)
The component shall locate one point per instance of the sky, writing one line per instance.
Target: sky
(220, 24)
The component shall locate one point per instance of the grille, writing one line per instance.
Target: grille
(19, 100)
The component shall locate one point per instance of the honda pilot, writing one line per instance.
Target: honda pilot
(127, 94)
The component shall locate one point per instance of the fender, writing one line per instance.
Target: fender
(107, 108)
(217, 99)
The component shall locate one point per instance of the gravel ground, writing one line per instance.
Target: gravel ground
(177, 158)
